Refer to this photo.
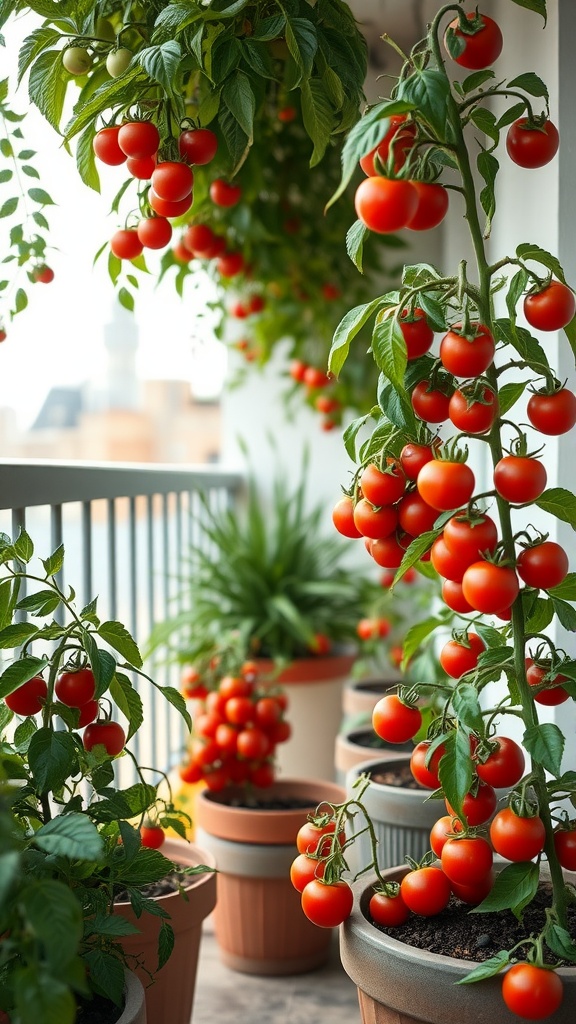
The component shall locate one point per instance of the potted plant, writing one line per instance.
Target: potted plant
(505, 582)
(80, 841)
(269, 574)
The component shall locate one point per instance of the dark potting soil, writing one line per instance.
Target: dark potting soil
(172, 882)
(397, 776)
(458, 933)
(97, 1011)
(261, 803)
(371, 739)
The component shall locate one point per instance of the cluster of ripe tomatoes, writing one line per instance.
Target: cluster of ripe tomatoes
(170, 192)
(236, 728)
(317, 384)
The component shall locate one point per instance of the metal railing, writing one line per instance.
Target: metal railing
(125, 529)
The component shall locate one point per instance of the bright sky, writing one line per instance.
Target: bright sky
(58, 339)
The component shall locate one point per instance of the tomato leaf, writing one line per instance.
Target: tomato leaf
(566, 614)
(417, 633)
(53, 758)
(538, 6)
(570, 332)
(514, 888)
(467, 706)
(560, 942)
(511, 115)
(165, 943)
(16, 634)
(71, 835)
(128, 701)
(86, 159)
(515, 289)
(492, 637)
(350, 435)
(302, 42)
(428, 91)
(524, 343)
(355, 238)
(545, 743)
(485, 120)
(396, 406)
(389, 348)
(47, 84)
(566, 590)
(116, 634)
(488, 167)
(509, 395)
(238, 96)
(347, 329)
(474, 81)
(531, 84)
(20, 672)
(529, 251)
(318, 117)
(487, 969)
(559, 502)
(540, 615)
(53, 564)
(106, 974)
(455, 769)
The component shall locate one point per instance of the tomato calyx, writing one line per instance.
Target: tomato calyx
(452, 452)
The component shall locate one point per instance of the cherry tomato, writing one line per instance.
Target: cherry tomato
(88, 713)
(517, 838)
(456, 658)
(152, 836)
(385, 205)
(532, 992)
(553, 693)
(446, 485)
(125, 244)
(43, 274)
(222, 193)
(77, 60)
(426, 774)
(490, 588)
(467, 355)
(388, 552)
(327, 905)
(400, 136)
(441, 831)
(473, 411)
(417, 333)
(287, 114)
(110, 735)
(551, 308)
(230, 264)
(343, 518)
(519, 478)
(317, 839)
(432, 206)
(138, 138)
(304, 869)
(28, 699)
(141, 167)
(531, 145)
(413, 457)
(117, 61)
(453, 596)
(504, 766)
(451, 566)
(190, 772)
(75, 688)
(477, 892)
(470, 537)
(466, 860)
(382, 487)
(565, 846)
(315, 378)
(430, 404)
(415, 515)
(106, 148)
(480, 50)
(543, 566)
(395, 721)
(375, 523)
(167, 208)
(386, 910)
(425, 891)
(552, 414)
(154, 232)
(199, 238)
(477, 807)
(198, 145)
(172, 181)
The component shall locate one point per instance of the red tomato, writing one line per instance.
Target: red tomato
(453, 596)
(75, 688)
(517, 838)
(432, 206)
(451, 566)
(375, 523)
(551, 308)
(490, 588)
(317, 839)
(413, 457)
(395, 721)
(446, 485)
(480, 50)
(297, 370)
(532, 992)
(543, 566)
(385, 205)
(466, 860)
(415, 515)
(327, 905)
(198, 145)
(442, 830)
(267, 712)
(239, 710)
(476, 893)
(504, 766)
(552, 414)
(400, 138)
(152, 836)
(141, 167)
(425, 891)
(263, 776)
(532, 145)
(382, 487)
(109, 734)
(106, 148)
(456, 658)
(138, 138)
(388, 552)
(477, 807)
(429, 403)
(386, 910)
(417, 333)
(343, 518)
(154, 232)
(553, 693)
(470, 537)
(172, 181)
(199, 238)
(565, 846)
(304, 869)
(125, 244)
(166, 208)
(28, 699)
(287, 114)
(88, 713)
(519, 478)
(315, 378)
(330, 291)
(426, 773)
(467, 355)
(190, 772)
(471, 411)
(252, 743)
(230, 264)
(222, 193)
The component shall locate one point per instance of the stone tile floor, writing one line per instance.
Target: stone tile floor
(223, 996)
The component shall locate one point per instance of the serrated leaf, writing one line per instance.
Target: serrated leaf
(53, 759)
(71, 835)
(540, 616)
(106, 974)
(55, 561)
(530, 251)
(530, 83)
(302, 43)
(47, 83)
(55, 917)
(474, 81)
(566, 614)
(44, 602)
(162, 63)
(128, 701)
(566, 590)
(346, 331)
(355, 238)
(488, 167)
(238, 96)
(428, 91)
(559, 502)
(487, 969)
(524, 343)
(16, 634)
(165, 943)
(318, 117)
(545, 743)
(112, 925)
(20, 672)
(235, 137)
(117, 636)
(515, 887)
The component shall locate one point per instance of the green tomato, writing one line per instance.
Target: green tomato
(117, 61)
(77, 60)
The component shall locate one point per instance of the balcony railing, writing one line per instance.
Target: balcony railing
(125, 530)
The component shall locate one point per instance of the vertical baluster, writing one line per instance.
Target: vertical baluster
(19, 524)
(133, 593)
(151, 618)
(112, 565)
(86, 541)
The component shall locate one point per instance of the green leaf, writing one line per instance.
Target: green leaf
(566, 614)
(54, 562)
(20, 672)
(269, 28)
(560, 942)
(47, 86)
(538, 6)
(235, 137)
(53, 759)
(8, 207)
(318, 117)
(31, 172)
(126, 299)
(417, 633)
(38, 195)
(531, 84)
(102, 663)
(147, 867)
(238, 96)
(566, 590)
(257, 56)
(347, 329)
(112, 925)
(116, 634)
(106, 974)
(175, 698)
(127, 803)
(474, 81)
(162, 63)
(44, 602)
(389, 349)
(428, 91)
(36, 41)
(545, 743)
(530, 251)
(455, 769)
(55, 917)
(21, 300)
(514, 888)
(488, 168)
(524, 343)
(302, 42)
(165, 944)
(487, 969)
(559, 502)
(515, 289)
(540, 615)
(128, 701)
(351, 433)
(86, 159)
(509, 395)
(71, 835)
(467, 706)
(42, 997)
(16, 634)
(485, 120)
(355, 238)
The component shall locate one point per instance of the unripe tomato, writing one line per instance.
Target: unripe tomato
(77, 60)
(117, 61)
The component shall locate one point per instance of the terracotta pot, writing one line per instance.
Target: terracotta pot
(362, 744)
(169, 999)
(399, 984)
(361, 695)
(134, 1011)
(259, 924)
(402, 817)
(314, 688)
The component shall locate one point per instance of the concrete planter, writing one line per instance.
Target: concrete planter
(259, 924)
(170, 998)
(399, 984)
(134, 1011)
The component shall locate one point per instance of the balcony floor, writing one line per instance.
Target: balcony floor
(229, 997)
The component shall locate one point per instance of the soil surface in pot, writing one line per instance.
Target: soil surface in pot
(97, 1011)
(458, 933)
(369, 738)
(401, 777)
(172, 882)
(261, 803)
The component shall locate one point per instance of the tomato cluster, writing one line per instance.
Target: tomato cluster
(236, 728)
(318, 386)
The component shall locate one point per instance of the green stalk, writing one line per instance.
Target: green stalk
(528, 708)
